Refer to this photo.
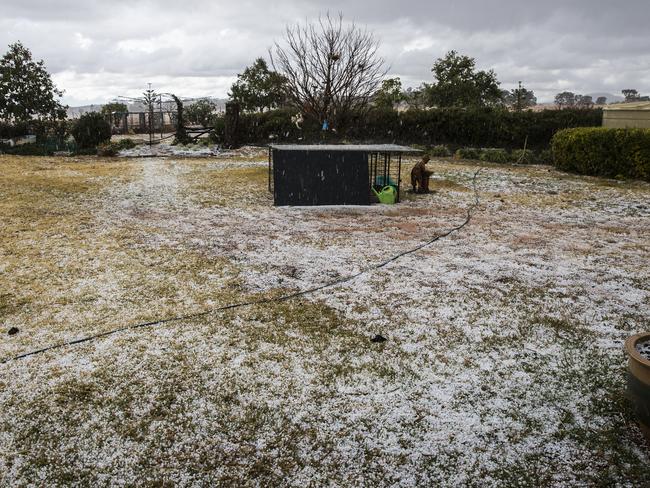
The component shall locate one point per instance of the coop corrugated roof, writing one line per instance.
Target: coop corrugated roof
(381, 148)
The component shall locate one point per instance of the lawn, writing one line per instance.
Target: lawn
(503, 364)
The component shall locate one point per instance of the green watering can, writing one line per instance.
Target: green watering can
(388, 194)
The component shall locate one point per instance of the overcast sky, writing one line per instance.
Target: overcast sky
(97, 50)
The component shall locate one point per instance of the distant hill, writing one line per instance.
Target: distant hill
(76, 112)
(611, 98)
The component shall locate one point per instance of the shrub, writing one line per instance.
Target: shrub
(521, 156)
(218, 124)
(604, 152)
(110, 149)
(26, 150)
(468, 153)
(91, 130)
(9, 131)
(545, 156)
(495, 155)
(107, 149)
(471, 127)
(439, 151)
(126, 144)
(42, 129)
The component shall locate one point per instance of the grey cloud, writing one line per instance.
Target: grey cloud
(97, 48)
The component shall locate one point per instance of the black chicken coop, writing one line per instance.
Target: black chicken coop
(333, 174)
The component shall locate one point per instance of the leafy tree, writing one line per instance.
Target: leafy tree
(26, 88)
(149, 99)
(416, 97)
(91, 130)
(584, 101)
(111, 109)
(332, 70)
(181, 134)
(389, 93)
(200, 112)
(115, 107)
(459, 84)
(631, 95)
(601, 100)
(566, 99)
(518, 98)
(258, 88)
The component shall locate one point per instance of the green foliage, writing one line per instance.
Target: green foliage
(518, 98)
(471, 127)
(584, 101)
(275, 125)
(631, 95)
(45, 146)
(389, 94)
(91, 130)
(126, 144)
(258, 88)
(459, 84)
(218, 124)
(566, 99)
(42, 129)
(494, 155)
(545, 156)
(522, 156)
(149, 98)
(26, 150)
(604, 152)
(468, 153)
(114, 107)
(107, 149)
(502, 156)
(9, 131)
(200, 112)
(439, 151)
(113, 148)
(26, 88)
(416, 97)
(181, 132)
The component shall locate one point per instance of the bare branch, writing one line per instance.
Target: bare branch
(332, 69)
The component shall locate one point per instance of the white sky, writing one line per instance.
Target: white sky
(98, 50)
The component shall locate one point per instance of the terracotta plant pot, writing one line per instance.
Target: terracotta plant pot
(638, 381)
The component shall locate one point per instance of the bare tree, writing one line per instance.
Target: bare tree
(332, 70)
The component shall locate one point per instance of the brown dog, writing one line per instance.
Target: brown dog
(420, 176)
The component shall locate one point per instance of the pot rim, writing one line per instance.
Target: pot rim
(630, 347)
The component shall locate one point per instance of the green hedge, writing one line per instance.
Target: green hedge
(91, 130)
(44, 147)
(495, 155)
(42, 129)
(502, 156)
(604, 152)
(439, 151)
(475, 127)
